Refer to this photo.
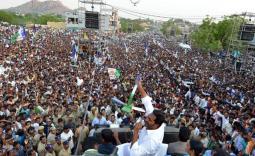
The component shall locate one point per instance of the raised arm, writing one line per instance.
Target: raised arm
(146, 100)
(141, 90)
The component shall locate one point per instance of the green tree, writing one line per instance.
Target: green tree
(15, 19)
(6, 17)
(135, 25)
(212, 36)
(170, 28)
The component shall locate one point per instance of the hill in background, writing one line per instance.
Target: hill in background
(37, 7)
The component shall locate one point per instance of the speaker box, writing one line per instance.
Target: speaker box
(247, 32)
(125, 135)
(92, 20)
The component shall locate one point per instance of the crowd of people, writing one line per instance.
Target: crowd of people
(51, 106)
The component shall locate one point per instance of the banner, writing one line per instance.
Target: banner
(114, 73)
(85, 36)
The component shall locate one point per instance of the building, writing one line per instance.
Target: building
(104, 18)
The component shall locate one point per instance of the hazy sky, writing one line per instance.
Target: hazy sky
(190, 9)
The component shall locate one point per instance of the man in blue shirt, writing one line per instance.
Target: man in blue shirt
(99, 120)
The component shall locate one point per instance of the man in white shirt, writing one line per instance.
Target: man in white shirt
(147, 140)
(67, 135)
(203, 102)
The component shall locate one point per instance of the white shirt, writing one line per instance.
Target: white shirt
(197, 100)
(149, 142)
(188, 94)
(65, 136)
(203, 103)
(224, 120)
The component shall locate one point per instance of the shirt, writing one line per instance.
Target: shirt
(65, 152)
(177, 148)
(97, 121)
(150, 141)
(65, 136)
(225, 122)
(41, 149)
(203, 103)
(240, 143)
(50, 154)
(51, 138)
(57, 148)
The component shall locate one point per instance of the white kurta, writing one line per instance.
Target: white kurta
(149, 142)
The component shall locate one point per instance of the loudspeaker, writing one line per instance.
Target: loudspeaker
(171, 135)
(125, 135)
(247, 32)
(92, 20)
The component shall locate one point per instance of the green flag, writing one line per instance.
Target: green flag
(117, 73)
(14, 38)
(38, 110)
(128, 107)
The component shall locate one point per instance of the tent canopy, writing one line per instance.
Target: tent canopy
(185, 46)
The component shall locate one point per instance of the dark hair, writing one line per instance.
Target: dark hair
(100, 113)
(197, 146)
(41, 137)
(119, 115)
(107, 135)
(184, 134)
(15, 143)
(220, 152)
(228, 138)
(160, 117)
(60, 120)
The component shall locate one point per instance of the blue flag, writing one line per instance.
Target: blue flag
(21, 34)
(74, 51)
(146, 48)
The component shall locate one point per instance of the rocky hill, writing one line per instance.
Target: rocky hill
(45, 7)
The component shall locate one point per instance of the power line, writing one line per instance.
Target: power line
(156, 16)
(132, 14)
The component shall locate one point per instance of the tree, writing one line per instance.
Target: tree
(12, 18)
(135, 25)
(212, 36)
(170, 28)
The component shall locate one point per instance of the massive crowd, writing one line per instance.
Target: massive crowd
(51, 106)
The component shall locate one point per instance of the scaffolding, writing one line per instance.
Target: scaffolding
(107, 14)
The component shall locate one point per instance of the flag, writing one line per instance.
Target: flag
(74, 51)
(85, 36)
(114, 73)
(160, 45)
(14, 38)
(21, 34)
(117, 73)
(128, 107)
(39, 110)
(116, 101)
(154, 41)
(146, 48)
(126, 47)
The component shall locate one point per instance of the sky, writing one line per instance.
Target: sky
(187, 9)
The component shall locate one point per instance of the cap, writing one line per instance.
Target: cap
(66, 127)
(30, 129)
(66, 142)
(102, 108)
(41, 128)
(28, 120)
(58, 138)
(53, 128)
(49, 146)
